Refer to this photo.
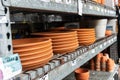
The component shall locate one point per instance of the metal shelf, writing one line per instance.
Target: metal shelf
(40, 5)
(99, 75)
(64, 65)
(91, 8)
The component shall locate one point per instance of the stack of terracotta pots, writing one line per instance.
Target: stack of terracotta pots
(97, 62)
(86, 36)
(102, 63)
(110, 65)
(62, 41)
(82, 74)
(34, 52)
(92, 64)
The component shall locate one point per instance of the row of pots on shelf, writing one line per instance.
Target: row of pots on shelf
(102, 63)
(36, 52)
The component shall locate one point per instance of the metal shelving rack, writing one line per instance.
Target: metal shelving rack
(64, 65)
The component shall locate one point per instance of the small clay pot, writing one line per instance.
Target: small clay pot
(82, 74)
(108, 32)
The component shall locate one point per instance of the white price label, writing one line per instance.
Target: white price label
(100, 46)
(3, 19)
(105, 44)
(109, 41)
(93, 51)
(80, 7)
(90, 7)
(10, 67)
(44, 77)
(112, 40)
(73, 63)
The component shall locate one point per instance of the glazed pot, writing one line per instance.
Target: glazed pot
(81, 74)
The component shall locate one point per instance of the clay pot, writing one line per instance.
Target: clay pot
(108, 32)
(92, 64)
(103, 63)
(103, 2)
(110, 65)
(82, 74)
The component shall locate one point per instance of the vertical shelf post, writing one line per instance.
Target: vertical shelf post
(5, 32)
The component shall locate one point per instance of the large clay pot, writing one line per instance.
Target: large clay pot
(82, 74)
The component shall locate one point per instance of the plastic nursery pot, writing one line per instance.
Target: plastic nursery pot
(81, 74)
(108, 32)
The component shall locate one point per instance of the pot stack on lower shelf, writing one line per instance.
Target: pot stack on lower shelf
(102, 63)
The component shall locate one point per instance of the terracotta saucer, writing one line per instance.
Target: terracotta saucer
(29, 42)
(34, 57)
(35, 52)
(36, 61)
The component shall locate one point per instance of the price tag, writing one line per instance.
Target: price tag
(100, 46)
(112, 40)
(44, 77)
(109, 41)
(105, 44)
(93, 51)
(73, 63)
(3, 19)
(90, 7)
(10, 67)
(80, 7)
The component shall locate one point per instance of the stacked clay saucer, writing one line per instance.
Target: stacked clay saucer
(62, 41)
(33, 52)
(85, 36)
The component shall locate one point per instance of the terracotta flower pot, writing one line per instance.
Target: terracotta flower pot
(92, 64)
(81, 74)
(108, 32)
